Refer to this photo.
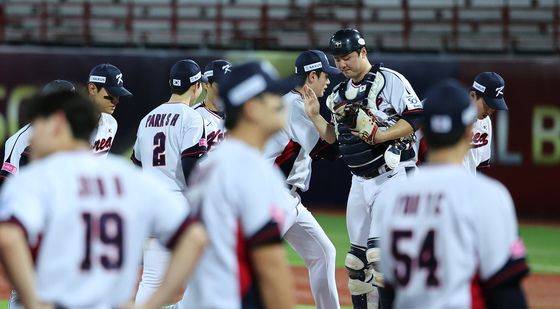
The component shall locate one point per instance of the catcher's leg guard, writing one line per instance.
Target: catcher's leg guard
(373, 256)
(359, 280)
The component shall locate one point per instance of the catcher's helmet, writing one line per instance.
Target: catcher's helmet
(345, 41)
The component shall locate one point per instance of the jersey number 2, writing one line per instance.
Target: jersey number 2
(159, 149)
(425, 259)
(107, 229)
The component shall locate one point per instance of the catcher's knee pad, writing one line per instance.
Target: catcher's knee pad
(356, 265)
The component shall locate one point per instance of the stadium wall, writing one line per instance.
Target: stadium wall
(526, 143)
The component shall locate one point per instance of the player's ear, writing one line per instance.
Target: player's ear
(92, 89)
(363, 53)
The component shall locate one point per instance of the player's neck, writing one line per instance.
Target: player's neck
(451, 155)
(250, 135)
(73, 145)
(360, 77)
(184, 98)
(211, 106)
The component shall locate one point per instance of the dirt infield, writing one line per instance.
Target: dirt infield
(543, 291)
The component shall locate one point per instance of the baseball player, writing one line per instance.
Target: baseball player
(210, 109)
(16, 149)
(375, 112)
(449, 238)
(105, 87)
(487, 92)
(82, 221)
(170, 139)
(240, 199)
(290, 149)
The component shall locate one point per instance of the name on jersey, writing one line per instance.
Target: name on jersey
(99, 187)
(479, 140)
(160, 120)
(103, 144)
(412, 204)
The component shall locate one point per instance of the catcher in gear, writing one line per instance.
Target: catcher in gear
(374, 115)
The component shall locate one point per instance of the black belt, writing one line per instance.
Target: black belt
(380, 170)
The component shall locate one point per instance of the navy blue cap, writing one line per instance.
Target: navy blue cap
(447, 110)
(57, 85)
(490, 86)
(109, 77)
(216, 70)
(185, 73)
(312, 60)
(251, 79)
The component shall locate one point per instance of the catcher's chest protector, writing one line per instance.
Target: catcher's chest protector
(363, 159)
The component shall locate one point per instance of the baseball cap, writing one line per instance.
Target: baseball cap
(185, 73)
(491, 87)
(57, 85)
(216, 70)
(110, 77)
(447, 112)
(312, 60)
(251, 79)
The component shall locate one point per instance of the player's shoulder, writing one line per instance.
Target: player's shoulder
(490, 187)
(108, 119)
(20, 134)
(291, 96)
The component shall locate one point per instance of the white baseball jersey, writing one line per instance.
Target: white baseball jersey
(445, 233)
(215, 125)
(239, 197)
(16, 149)
(103, 136)
(297, 139)
(167, 133)
(86, 221)
(481, 150)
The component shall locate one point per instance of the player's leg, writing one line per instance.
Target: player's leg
(373, 255)
(358, 222)
(310, 241)
(156, 260)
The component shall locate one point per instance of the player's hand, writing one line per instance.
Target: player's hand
(310, 101)
(366, 128)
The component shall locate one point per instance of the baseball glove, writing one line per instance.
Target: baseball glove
(365, 126)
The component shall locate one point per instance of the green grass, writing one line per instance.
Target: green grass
(542, 242)
(3, 304)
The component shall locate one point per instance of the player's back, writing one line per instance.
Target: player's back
(162, 137)
(443, 233)
(88, 219)
(290, 147)
(236, 214)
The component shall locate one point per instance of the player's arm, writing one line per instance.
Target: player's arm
(407, 104)
(273, 273)
(502, 256)
(312, 109)
(194, 145)
(187, 248)
(17, 262)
